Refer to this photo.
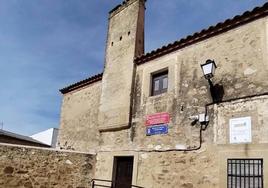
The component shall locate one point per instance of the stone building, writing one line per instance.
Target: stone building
(144, 115)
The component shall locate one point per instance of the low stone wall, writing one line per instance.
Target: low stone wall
(177, 169)
(26, 167)
(196, 169)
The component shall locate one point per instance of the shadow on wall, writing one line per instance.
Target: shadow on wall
(217, 92)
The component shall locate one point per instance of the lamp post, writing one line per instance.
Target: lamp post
(208, 69)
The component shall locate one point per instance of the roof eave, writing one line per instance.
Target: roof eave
(248, 16)
(82, 83)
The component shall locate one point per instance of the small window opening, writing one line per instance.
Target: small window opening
(159, 83)
(121, 38)
(244, 173)
(112, 43)
(128, 33)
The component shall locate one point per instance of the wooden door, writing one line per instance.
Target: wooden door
(123, 171)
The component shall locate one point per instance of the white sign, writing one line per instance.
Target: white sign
(240, 130)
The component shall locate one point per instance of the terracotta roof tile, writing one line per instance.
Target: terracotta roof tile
(219, 28)
(211, 31)
(82, 83)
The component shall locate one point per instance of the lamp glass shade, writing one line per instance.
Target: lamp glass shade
(208, 69)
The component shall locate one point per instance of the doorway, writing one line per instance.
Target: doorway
(122, 172)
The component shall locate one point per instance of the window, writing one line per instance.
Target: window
(159, 83)
(245, 173)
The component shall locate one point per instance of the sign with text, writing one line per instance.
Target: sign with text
(240, 130)
(158, 118)
(157, 129)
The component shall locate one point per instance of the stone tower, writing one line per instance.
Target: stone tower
(125, 41)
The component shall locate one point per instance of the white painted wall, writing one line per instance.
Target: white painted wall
(47, 137)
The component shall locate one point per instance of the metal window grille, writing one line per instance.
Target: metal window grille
(245, 173)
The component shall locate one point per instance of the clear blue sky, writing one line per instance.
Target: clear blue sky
(46, 45)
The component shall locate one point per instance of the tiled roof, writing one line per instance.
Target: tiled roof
(221, 27)
(82, 83)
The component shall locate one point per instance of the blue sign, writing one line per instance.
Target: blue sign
(157, 129)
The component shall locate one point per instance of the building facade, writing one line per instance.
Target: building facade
(138, 116)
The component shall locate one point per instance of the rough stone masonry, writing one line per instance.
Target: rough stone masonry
(26, 167)
(107, 113)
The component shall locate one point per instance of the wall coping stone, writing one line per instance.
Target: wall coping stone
(48, 149)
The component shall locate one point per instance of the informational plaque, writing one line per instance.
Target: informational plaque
(240, 130)
(158, 118)
(157, 129)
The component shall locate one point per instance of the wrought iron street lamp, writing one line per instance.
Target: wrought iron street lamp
(209, 69)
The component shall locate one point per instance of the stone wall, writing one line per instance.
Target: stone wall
(79, 115)
(241, 55)
(25, 167)
(167, 169)
(255, 107)
(241, 58)
(125, 41)
(197, 169)
(206, 167)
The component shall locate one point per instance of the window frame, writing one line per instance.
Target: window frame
(159, 76)
(245, 170)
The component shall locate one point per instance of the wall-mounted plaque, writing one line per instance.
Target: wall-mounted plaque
(158, 118)
(240, 130)
(157, 129)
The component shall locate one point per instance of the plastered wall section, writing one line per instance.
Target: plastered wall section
(257, 109)
(25, 167)
(79, 119)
